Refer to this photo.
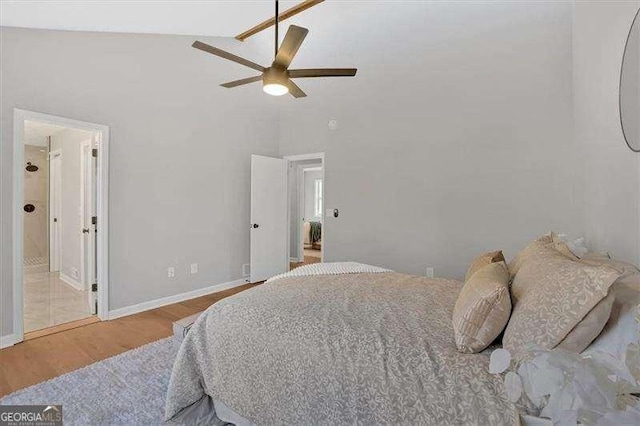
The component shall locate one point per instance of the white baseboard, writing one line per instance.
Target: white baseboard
(163, 301)
(8, 340)
(294, 260)
(71, 281)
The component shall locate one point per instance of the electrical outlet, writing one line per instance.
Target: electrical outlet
(171, 272)
(430, 272)
(194, 268)
(246, 269)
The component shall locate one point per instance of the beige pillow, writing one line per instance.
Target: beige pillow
(551, 294)
(625, 269)
(564, 250)
(590, 327)
(482, 309)
(482, 261)
(622, 327)
(531, 250)
(535, 248)
(562, 247)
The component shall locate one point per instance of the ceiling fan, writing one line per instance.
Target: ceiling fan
(276, 79)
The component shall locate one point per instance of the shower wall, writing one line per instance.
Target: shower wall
(36, 190)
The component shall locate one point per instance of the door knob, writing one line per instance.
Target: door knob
(255, 225)
(85, 230)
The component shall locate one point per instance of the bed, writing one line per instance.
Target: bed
(312, 231)
(344, 348)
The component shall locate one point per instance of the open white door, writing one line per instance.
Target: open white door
(269, 236)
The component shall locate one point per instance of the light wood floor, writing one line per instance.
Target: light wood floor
(311, 252)
(307, 261)
(44, 358)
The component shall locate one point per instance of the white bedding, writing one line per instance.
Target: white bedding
(331, 268)
(342, 348)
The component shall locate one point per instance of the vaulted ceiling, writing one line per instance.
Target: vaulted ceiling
(223, 18)
(340, 31)
(366, 34)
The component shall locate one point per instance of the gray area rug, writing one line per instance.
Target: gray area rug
(129, 388)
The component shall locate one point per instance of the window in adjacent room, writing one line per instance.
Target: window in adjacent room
(318, 198)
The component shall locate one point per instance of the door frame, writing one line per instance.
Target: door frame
(86, 273)
(55, 244)
(302, 157)
(102, 142)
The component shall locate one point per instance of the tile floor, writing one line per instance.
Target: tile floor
(49, 301)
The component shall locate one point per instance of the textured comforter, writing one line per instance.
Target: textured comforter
(346, 349)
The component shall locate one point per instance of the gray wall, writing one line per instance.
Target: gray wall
(612, 171)
(475, 150)
(454, 142)
(180, 151)
(68, 142)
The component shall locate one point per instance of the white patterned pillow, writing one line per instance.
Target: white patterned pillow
(551, 294)
(532, 249)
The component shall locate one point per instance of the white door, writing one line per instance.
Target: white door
(269, 237)
(55, 210)
(88, 213)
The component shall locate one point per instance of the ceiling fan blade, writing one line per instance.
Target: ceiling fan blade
(236, 83)
(226, 55)
(290, 45)
(323, 72)
(295, 91)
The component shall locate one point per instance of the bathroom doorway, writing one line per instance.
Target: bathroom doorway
(62, 198)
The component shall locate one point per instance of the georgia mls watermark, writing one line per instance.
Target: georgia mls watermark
(30, 415)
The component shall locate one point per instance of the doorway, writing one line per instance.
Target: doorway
(306, 206)
(60, 252)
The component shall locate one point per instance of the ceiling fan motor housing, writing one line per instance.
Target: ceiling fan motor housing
(275, 75)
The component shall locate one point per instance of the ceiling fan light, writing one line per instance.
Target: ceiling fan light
(275, 81)
(275, 89)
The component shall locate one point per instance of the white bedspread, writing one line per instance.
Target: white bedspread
(331, 268)
(344, 349)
